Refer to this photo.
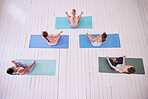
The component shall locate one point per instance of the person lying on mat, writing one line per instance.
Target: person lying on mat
(119, 65)
(73, 20)
(51, 39)
(97, 41)
(20, 69)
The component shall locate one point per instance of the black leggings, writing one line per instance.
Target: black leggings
(119, 61)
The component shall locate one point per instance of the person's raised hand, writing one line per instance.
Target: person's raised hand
(34, 61)
(124, 56)
(107, 57)
(61, 32)
(82, 12)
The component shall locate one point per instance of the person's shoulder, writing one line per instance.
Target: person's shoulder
(118, 70)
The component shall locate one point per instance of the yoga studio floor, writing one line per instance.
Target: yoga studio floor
(77, 75)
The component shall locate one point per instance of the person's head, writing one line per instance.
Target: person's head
(130, 69)
(45, 34)
(10, 70)
(73, 12)
(104, 37)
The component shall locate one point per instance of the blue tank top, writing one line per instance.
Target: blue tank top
(119, 65)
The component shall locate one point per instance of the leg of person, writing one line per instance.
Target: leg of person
(112, 62)
(57, 39)
(19, 64)
(54, 37)
(30, 69)
(91, 38)
(120, 60)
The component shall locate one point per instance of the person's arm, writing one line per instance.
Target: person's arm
(29, 66)
(111, 64)
(44, 38)
(47, 41)
(124, 60)
(14, 63)
(67, 14)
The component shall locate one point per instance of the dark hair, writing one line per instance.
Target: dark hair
(10, 71)
(104, 36)
(131, 70)
(45, 34)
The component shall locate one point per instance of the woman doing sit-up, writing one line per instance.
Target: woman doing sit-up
(97, 41)
(51, 39)
(119, 65)
(73, 20)
(20, 69)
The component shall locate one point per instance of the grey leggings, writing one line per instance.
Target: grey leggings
(28, 70)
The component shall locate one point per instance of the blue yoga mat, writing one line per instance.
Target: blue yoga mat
(36, 41)
(42, 67)
(112, 41)
(62, 23)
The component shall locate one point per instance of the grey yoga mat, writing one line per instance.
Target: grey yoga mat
(136, 62)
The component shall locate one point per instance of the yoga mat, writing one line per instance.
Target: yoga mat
(42, 67)
(63, 23)
(112, 41)
(136, 62)
(36, 41)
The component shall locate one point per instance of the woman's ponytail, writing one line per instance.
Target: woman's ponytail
(45, 34)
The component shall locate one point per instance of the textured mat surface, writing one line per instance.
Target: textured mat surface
(36, 41)
(136, 62)
(62, 23)
(42, 67)
(112, 41)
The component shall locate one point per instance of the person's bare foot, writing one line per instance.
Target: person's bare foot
(86, 33)
(82, 12)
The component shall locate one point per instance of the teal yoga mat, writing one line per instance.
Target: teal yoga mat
(42, 67)
(62, 23)
(136, 62)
